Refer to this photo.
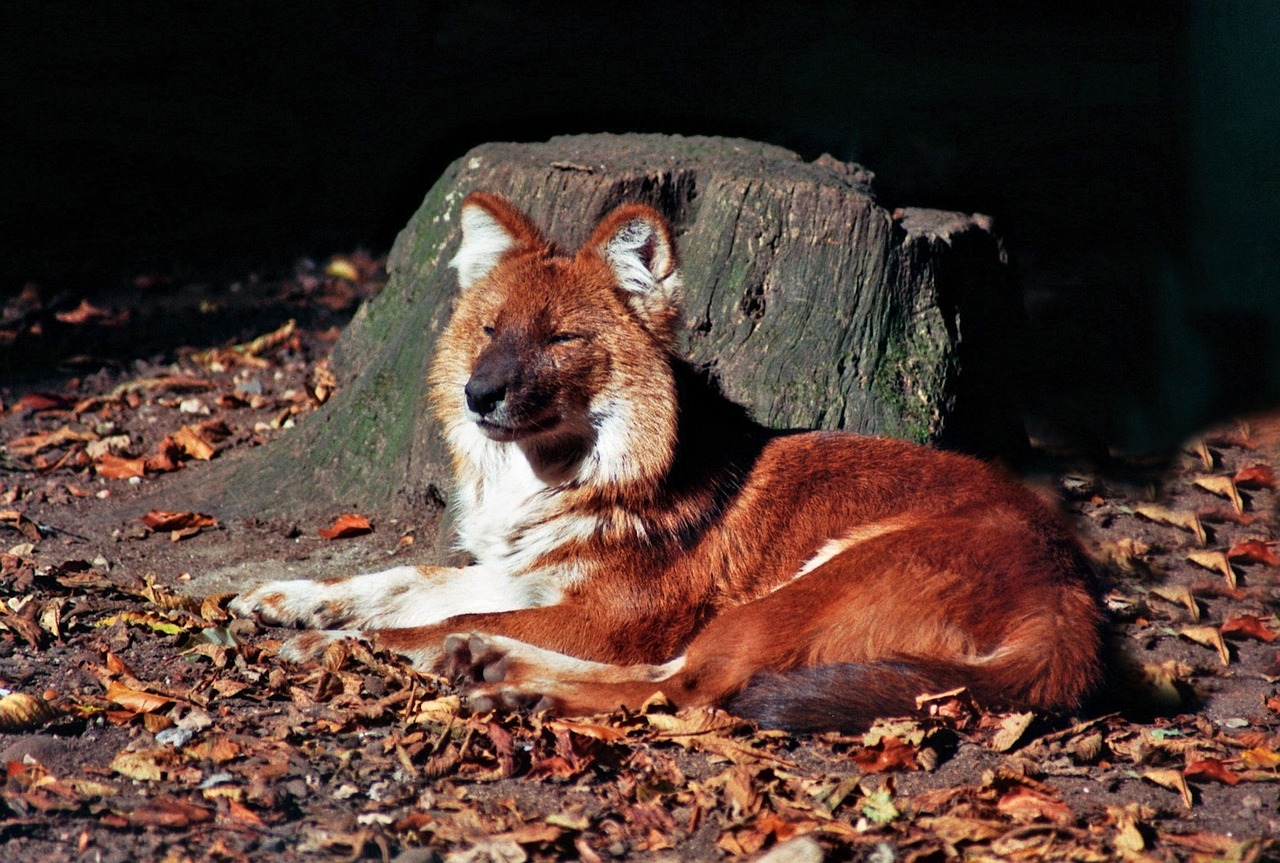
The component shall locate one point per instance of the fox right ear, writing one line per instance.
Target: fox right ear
(491, 227)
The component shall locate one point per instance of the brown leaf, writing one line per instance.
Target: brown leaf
(193, 443)
(167, 457)
(135, 700)
(168, 812)
(29, 445)
(1254, 551)
(115, 467)
(40, 401)
(1256, 476)
(1027, 804)
(1210, 768)
(86, 313)
(347, 525)
(20, 523)
(1249, 626)
(889, 754)
(161, 520)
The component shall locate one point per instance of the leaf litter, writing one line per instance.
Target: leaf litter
(140, 721)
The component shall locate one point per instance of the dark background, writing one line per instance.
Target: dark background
(1127, 150)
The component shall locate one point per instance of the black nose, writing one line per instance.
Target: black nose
(484, 394)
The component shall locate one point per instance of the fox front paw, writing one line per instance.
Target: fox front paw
(494, 676)
(299, 603)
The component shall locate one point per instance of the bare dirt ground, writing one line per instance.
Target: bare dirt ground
(142, 722)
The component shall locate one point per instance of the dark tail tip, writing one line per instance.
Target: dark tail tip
(846, 698)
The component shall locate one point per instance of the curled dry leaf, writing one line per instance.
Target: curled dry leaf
(1174, 781)
(1254, 551)
(1012, 728)
(193, 443)
(1222, 486)
(1210, 768)
(1028, 804)
(1182, 519)
(161, 520)
(887, 755)
(1250, 626)
(115, 467)
(1209, 636)
(1126, 554)
(1255, 476)
(1179, 594)
(135, 700)
(1216, 561)
(22, 712)
(347, 525)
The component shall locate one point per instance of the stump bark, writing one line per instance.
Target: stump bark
(804, 299)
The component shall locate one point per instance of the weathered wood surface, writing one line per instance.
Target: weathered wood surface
(805, 299)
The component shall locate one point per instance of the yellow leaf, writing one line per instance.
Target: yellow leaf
(1209, 636)
(1012, 727)
(22, 712)
(1185, 520)
(1222, 486)
(1216, 561)
(1201, 449)
(1260, 758)
(439, 710)
(1173, 780)
(1179, 594)
(138, 765)
(340, 268)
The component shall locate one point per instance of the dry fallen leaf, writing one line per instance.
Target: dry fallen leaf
(347, 525)
(1216, 561)
(22, 712)
(1179, 594)
(1183, 519)
(1027, 804)
(1222, 486)
(1255, 476)
(193, 443)
(1209, 636)
(1174, 781)
(1254, 551)
(888, 754)
(1250, 626)
(115, 467)
(1210, 768)
(162, 520)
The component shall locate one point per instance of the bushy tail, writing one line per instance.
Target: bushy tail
(845, 697)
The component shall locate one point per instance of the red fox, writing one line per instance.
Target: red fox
(634, 532)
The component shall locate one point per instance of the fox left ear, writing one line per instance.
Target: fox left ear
(636, 243)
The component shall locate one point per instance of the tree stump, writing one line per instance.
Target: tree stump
(804, 299)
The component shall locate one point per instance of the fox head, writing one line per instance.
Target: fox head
(565, 359)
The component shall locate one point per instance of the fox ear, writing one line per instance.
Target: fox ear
(491, 227)
(636, 243)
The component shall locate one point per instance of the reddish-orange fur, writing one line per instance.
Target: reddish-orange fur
(944, 571)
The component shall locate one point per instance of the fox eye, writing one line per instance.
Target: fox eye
(562, 338)
(488, 330)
